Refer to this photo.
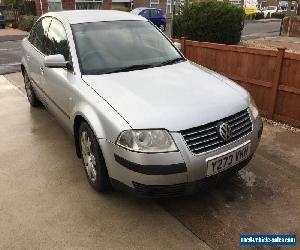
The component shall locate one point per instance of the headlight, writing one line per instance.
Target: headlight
(148, 141)
(253, 108)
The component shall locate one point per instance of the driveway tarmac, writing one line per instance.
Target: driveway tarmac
(46, 201)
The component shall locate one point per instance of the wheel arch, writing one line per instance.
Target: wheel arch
(94, 124)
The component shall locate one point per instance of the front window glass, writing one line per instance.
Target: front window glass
(38, 33)
(108, 47)
(56, 41)
(145, 13)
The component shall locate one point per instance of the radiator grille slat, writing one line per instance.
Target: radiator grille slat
(206, 137)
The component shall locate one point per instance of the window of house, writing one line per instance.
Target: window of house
(169, 7)
(54, 5)
(154, 3)
(88, 4)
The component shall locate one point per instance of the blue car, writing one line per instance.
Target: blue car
(156, 16)
(2, 21)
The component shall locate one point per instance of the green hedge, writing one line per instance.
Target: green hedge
(259, 15)
(278, 15)
(210, 21)
(26, 22)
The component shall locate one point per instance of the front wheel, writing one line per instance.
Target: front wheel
(93, 160)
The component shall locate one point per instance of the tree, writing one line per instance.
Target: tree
(13, 3)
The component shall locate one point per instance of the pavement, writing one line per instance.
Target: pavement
(292, 44)
(261, 28)
(46, 201)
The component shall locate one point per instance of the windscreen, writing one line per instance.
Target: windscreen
(106, 47)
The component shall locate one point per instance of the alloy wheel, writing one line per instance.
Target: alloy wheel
(88, 156)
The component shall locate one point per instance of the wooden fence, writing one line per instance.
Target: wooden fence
(291, 26)
(272, 77)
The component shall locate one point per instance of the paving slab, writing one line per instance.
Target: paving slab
(47, 203)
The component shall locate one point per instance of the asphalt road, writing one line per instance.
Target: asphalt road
(10, 56)
(41, 175)
(257, 29)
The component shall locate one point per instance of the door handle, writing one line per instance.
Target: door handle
(28, 57)
(42, 70)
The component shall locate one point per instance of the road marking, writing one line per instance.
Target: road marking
(16, 48)
(10, 64)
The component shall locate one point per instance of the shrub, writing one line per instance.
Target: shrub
(26, 22)
(278, 15)
(250, 17)
(259, 15)
(210, 21)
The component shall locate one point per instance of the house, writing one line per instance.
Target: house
(43, 6)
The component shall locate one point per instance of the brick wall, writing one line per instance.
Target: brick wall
(66, 5)
(38, 7)
(107, 5)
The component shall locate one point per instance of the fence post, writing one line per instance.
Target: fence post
(276, 80)
(183, 45)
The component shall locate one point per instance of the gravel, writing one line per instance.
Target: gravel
(281, 125)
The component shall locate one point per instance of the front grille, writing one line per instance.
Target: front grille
(160, 191)
(206, 137)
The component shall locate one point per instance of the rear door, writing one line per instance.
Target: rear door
(34, 53)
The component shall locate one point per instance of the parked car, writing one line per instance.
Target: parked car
(270, 10)
(142, 116)
(156, 16)
(2, 20)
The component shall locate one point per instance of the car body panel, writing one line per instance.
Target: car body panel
(167, 102)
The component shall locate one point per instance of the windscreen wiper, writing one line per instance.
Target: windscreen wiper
(172, 61)
(131, 68)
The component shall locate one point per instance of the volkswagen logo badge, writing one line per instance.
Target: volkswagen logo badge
(224, 131)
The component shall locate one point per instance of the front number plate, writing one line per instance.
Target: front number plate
(220, 163)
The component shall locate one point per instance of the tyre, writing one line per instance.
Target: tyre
(32, 98)
(92, 159)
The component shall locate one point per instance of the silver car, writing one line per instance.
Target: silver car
(142, 116)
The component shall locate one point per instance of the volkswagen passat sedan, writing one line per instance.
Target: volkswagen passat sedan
(141, 115)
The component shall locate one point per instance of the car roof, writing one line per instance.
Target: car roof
(90, 16)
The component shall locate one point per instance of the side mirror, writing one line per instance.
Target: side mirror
(55, 61)
(177, 45)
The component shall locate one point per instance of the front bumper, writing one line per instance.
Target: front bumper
(180, 189)
(162, 174)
